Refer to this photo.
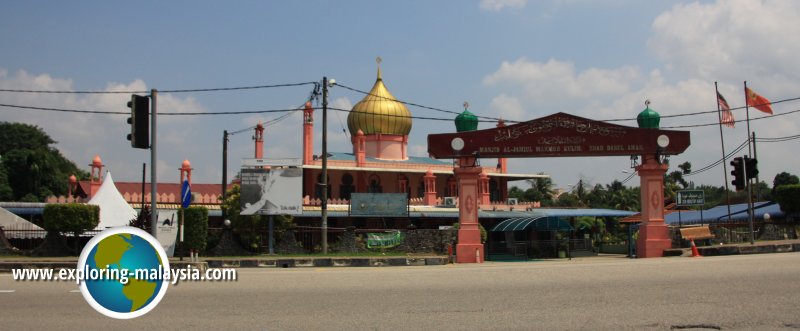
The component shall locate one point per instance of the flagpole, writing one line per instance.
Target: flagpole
(747, 111)
(724, 163)
(749, 153)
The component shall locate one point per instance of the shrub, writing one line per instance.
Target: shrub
(484, 234)
(70, 217)
(195, 228)
(788, 197)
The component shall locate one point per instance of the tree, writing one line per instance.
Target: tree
(788, 197)
(541, 190)
(675, 178)
(784, 178)
(33, 169)
(249, 227)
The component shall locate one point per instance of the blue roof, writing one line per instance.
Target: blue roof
(720, 214)
(484, 214)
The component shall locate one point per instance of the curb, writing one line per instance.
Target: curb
(328, 262)
(6, 266)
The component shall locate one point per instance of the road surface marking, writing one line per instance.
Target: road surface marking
(7, 291)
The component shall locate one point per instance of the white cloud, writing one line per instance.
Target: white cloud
(497, 5)
(81, 136)
(730, 40)
(507, 107)
(547, 87)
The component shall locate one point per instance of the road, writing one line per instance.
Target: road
(743, 292)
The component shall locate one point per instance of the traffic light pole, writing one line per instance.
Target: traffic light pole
(224, 170)
(750, 218)
(153, 159)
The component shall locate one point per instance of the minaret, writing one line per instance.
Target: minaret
(502, 163)
(359, 148)
(259, 138)
(186, 171)
(96, 178)
(73, 183)
(308, 134)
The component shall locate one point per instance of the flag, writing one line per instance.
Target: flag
(727, 116)
(758, 102)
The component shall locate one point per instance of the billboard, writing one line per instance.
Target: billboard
(272, 191)
(379, 204)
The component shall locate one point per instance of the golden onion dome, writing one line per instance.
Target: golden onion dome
(379, 112)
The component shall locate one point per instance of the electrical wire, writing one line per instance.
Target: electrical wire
(493, 119)
(162, 91)
(159, 113)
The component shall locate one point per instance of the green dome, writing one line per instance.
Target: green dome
(648, 119)
(466, 121)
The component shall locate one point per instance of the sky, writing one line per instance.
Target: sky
(514, 59)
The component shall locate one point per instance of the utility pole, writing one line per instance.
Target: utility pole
(224, 169)
(324, 184)
(153, 161)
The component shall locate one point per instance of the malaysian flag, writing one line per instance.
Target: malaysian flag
(727, 115)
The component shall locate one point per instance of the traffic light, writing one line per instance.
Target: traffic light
(738, 173)
(750, 167)
(139, 121)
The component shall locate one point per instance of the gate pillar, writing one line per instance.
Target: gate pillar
(469, 248)
(653, 232)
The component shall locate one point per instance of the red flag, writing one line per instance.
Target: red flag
(758, 102)
(727, 115)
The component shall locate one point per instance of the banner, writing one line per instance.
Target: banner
(274, 191)
(384, 240)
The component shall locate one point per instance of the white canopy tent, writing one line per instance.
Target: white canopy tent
(114, 210)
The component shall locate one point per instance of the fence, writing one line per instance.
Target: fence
(28, 237)
(538, 248)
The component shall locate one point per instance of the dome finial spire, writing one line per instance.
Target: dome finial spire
(378, 60)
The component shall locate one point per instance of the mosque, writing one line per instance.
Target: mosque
(379, 162)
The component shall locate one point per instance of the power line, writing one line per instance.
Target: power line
(159, 113)
(162, 91)
(313, 95)
(717, 123)
(740, 148)
(493, 119)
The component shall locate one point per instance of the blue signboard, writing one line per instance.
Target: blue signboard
(186, 194)
(379, 204)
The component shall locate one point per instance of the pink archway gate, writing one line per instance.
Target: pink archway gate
(561, 135)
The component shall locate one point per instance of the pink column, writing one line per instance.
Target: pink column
(430, 189)
(469, 248)
(653, 233)
(484, 189)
